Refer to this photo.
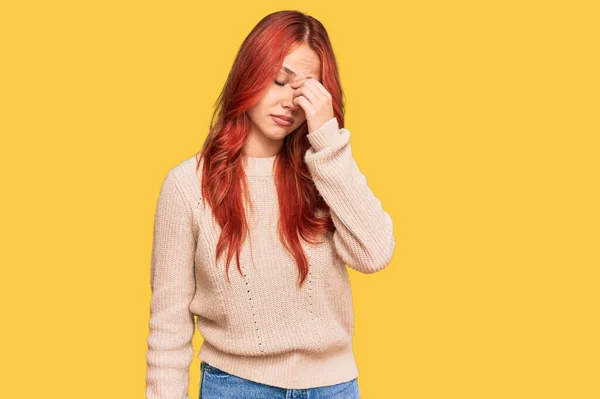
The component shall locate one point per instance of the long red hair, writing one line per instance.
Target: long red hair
(224, 184)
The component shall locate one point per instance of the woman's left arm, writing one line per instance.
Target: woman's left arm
(364, 236)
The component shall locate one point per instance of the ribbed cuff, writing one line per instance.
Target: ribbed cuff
(326, 135)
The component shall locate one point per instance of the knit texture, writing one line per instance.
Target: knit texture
(261, 326)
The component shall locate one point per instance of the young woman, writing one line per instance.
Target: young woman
(276, 185)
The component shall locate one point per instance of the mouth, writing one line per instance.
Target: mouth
(283, 120)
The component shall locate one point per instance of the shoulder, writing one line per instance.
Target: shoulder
(186, 177)
(185, 170)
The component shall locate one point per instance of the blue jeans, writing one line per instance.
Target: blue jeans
(218, 384)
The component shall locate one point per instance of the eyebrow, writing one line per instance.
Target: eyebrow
(288, 70)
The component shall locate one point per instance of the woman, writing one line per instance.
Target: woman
(276, 185)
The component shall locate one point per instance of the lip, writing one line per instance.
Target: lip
(283, 120)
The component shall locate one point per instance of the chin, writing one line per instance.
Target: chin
(278, 135)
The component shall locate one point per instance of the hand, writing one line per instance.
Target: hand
(315, 100)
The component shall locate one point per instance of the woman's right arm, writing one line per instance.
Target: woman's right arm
(170, 350)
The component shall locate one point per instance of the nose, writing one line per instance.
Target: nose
(287, 99)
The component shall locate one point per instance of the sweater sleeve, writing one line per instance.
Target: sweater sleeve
(170, 351)
(364, 236)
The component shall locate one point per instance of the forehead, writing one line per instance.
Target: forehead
(302, 62)
(298, 75)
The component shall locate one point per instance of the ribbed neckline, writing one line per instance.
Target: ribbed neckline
(259, 166)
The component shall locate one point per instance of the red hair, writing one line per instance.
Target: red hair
(224, 184)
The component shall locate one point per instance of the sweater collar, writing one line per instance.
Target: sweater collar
(259, 166)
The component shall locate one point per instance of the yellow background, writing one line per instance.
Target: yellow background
(476, 124)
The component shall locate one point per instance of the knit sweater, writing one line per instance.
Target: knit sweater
(261, 326)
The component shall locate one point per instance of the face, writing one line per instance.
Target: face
(266, 135)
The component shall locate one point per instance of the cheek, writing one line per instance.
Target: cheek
(251, 113)
(258, 112)
(298, 120)
(270, 97)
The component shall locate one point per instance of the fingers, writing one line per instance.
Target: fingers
(308, 92)
(311, 89)
(306, 105)
(314, 83)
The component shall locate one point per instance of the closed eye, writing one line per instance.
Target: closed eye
(279, 83)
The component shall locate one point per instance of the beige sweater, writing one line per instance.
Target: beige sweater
(261, 326)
